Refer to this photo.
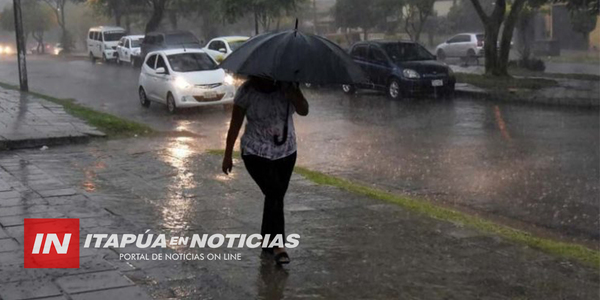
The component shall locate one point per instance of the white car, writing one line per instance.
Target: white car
(128, 49)
(464, 45)
(219, 48)
(184, 78)
(102, 42)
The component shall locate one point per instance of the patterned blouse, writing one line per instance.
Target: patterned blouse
(266, 116)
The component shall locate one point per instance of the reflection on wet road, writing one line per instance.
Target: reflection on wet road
(537, 165)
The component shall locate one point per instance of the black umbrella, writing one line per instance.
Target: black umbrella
(293, 56)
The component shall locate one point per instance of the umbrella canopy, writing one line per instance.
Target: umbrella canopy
(293, 56)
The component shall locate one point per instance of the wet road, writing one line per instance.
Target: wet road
(533, 166)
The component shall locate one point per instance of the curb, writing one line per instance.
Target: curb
(40, 142)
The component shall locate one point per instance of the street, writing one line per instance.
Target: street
(529, 166)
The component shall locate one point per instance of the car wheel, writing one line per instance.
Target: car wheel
(441, 55)
(143, 99)
(92, 58)
(348, 89)
(393, 89)
(171, 106)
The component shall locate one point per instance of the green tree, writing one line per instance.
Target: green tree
(265, 12)
(415, 16)
(366, 14)
(37, 19)
(58, 8)
(583, 21)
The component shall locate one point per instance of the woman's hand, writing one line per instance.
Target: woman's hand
(227, 164)
(294, 94)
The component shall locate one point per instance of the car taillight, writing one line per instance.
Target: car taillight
(479, 43)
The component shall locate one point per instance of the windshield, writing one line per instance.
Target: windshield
(235, 44)
(113, 36)
(407, 52)
(175, 39)
(191, 62)
(136, 43)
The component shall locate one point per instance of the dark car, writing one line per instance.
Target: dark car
(168, 40)
(401, 68)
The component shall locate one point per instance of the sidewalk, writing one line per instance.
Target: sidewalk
(351, 247)
(27, 121)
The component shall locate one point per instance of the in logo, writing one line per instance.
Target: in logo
(51, 243)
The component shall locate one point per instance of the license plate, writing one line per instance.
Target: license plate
(210, 94)
(437, 83)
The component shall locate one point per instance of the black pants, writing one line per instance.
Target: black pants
(273, 178)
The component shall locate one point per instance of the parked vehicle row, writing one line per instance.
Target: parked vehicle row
(177, 71)
(401, 69)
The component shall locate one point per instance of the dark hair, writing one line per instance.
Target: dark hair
(264, 85)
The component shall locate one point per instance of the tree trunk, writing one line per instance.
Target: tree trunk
(490, 48)
(507, 35)
(173, 19)
(158, 7)
(255, 22)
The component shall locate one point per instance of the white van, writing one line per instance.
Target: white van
(102, 42)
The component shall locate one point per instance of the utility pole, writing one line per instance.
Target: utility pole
(20, 46)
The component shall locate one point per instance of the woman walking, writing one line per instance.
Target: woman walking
(268, 145)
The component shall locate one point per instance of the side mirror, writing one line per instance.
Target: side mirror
(223, 50)
(161, 70)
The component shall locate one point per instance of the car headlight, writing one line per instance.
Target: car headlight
(7, 50)
(181, 83)
(410, 73)
(229, 80)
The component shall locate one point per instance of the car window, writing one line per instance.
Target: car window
(151, 61)
(91, 35)
(480, 37)
(216, 45)
(96, 35)
(454, 39)
(376, 55)
(160, 63)
(159, 39)
(127, 43)
(235, 44)
(359, 52)
(121, 42)
(191, 62)
(136, 43)
(111, 36)
(400, 52)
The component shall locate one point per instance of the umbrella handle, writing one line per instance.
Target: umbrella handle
(285, 129)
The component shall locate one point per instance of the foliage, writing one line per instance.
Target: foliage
(366, 14)
(264, 11)
(583, 21)
(37, 19)
(415, 15)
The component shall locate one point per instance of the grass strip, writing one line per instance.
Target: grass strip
(505, 84)
(112, 126)
(528, 73)
(562, 249)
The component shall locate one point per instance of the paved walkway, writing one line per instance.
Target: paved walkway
(351, 247)
(27, 121)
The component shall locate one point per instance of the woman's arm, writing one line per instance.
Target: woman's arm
(294, 94)
(237, 119)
